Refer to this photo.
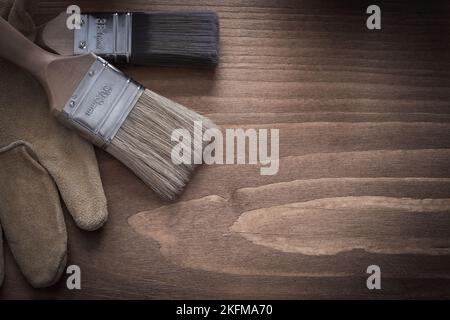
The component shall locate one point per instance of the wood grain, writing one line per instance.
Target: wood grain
(364, 177)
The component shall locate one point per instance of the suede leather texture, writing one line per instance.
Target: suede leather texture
(40, 162)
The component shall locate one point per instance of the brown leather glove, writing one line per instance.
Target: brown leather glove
(40, 161)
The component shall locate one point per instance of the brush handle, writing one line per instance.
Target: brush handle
(18, 49)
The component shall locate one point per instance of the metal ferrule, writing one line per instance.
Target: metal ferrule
(105, 34)
(101, 102)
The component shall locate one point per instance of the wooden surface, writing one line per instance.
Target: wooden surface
(364, 119)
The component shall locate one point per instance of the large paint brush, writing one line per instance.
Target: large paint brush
(158, 38)
(114, 112)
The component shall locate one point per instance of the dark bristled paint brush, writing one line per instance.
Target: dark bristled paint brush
(188, 38)
(114, 112)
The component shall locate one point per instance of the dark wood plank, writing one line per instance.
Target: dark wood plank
(364, 178)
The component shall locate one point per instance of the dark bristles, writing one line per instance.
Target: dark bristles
(175, 38)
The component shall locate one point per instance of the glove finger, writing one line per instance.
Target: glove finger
(73, 166)
(31, 215)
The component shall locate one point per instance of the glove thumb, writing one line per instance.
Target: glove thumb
(31, 215)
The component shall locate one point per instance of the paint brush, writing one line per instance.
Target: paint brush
(114, 112)
(158, 38)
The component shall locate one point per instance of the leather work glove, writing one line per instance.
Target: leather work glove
(40, 161)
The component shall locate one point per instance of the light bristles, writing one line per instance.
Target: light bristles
(144, 142)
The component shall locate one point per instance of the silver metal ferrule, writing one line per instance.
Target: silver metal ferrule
(101, 102)
(105, 34)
